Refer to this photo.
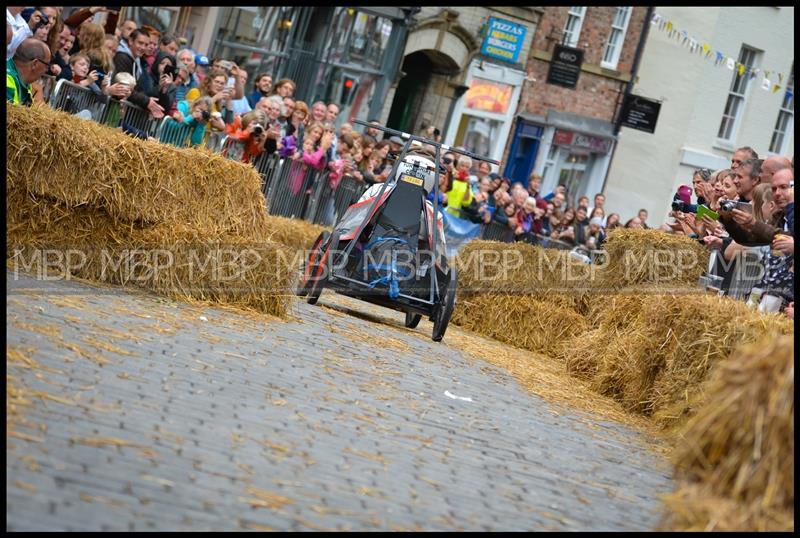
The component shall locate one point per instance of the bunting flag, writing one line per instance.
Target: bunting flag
(685, 39)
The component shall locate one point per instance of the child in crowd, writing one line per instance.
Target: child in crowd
(79, 64)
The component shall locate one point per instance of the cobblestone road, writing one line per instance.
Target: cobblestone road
(133, 412)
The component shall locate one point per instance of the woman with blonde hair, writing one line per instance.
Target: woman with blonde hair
(92, 41)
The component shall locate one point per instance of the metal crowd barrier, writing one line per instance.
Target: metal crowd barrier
(267, 164)
(137, 121)
(48, 85)
(232, 148)
(291, 188)
(494, 231)
(214, 140)
(174, 132)
(74, 98)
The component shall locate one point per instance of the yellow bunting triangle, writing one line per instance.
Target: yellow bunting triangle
(669, 26)
(775, 88)
(741, 69)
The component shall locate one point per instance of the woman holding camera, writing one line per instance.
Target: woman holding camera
(195, 114)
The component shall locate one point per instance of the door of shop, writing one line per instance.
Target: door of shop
(522, 155)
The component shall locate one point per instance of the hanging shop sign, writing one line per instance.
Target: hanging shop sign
(503, 39)
(565, 66)
(640, 113)
(578, 140)
(489, 96)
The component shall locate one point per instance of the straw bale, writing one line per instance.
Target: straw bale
(176, 260)
(294, 233)
(635, 257)
(735, 458)
(653, 352)
(521, 321)
(521, 268)
(78, 162)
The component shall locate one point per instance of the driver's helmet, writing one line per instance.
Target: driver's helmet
(416, 164)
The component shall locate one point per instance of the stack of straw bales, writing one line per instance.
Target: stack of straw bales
(76, 185)
(735, 459)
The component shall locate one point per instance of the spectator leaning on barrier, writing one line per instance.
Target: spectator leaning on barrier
(59, 65)
(253, 134)
(29, 63)
(642, 217)
(460, 193)
(319, 111)
(613, 222)
(79, 64)
(747, 177)
(163, 74)
(196, 114)
(129, 60)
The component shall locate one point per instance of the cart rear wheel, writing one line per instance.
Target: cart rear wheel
(307, 280)
(322, 271)
(412, 320)
(445, 311)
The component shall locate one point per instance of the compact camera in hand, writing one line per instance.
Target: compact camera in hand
(205, 114)
(258, 130)
(43, 21)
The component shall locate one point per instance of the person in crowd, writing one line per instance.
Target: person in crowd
(21, 27)
(124, 30)
(30, 62)
(598, 211)
(460, 194)
(635, 222)
(262, 87)
(727, 186)
(595, 234)
(287, 108)
(772, 164)
(701, 182)
(111, 43)
(742, 154)
(214, 87)
(81, 74)
(242, 105)
(162, 73)
(185, 58)
(599, 201)
(484, 169)
(168, 44)
(284, 88)
(201, 66)
(523, 230)
(319, 111)
(747, 177)
(613, 222)
(642, 214)
(332, 113)
(535, 185)
(292, 143)
(196, 114)
(565, 231)
(91, 38)
(149, 55)
(59, 65)
(129, 60)
(253, 134)
(560, 200)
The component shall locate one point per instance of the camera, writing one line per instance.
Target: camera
(44, 21)
(683, 207)
(258, 130)
(205, 114)
(727, 205)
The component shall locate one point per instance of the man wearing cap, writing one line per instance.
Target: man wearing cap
(396, 144)
(201, 64)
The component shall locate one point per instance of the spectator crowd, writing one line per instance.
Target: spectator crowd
(153, 71)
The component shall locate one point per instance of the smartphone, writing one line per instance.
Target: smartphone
(169, 69)
(703, 211)
(100, 76)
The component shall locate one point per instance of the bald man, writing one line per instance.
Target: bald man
(772, 165)
(29, 63)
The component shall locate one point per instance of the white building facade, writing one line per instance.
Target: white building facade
(707, 109)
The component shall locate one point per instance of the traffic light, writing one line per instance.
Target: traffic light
(349, 85)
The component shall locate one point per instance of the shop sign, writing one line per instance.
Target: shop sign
(577, 140)
(503, 40)
(565, 66)
(489, 96)
(640, 113)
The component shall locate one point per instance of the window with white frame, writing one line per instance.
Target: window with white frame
(737, 94)
(617, 37)
(785, 120)
(572, 30)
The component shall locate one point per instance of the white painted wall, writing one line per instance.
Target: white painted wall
(647, 168)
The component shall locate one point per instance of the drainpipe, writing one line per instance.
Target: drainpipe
(629, 87)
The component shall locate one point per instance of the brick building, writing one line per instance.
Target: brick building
(567, 134)
(463, 70)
